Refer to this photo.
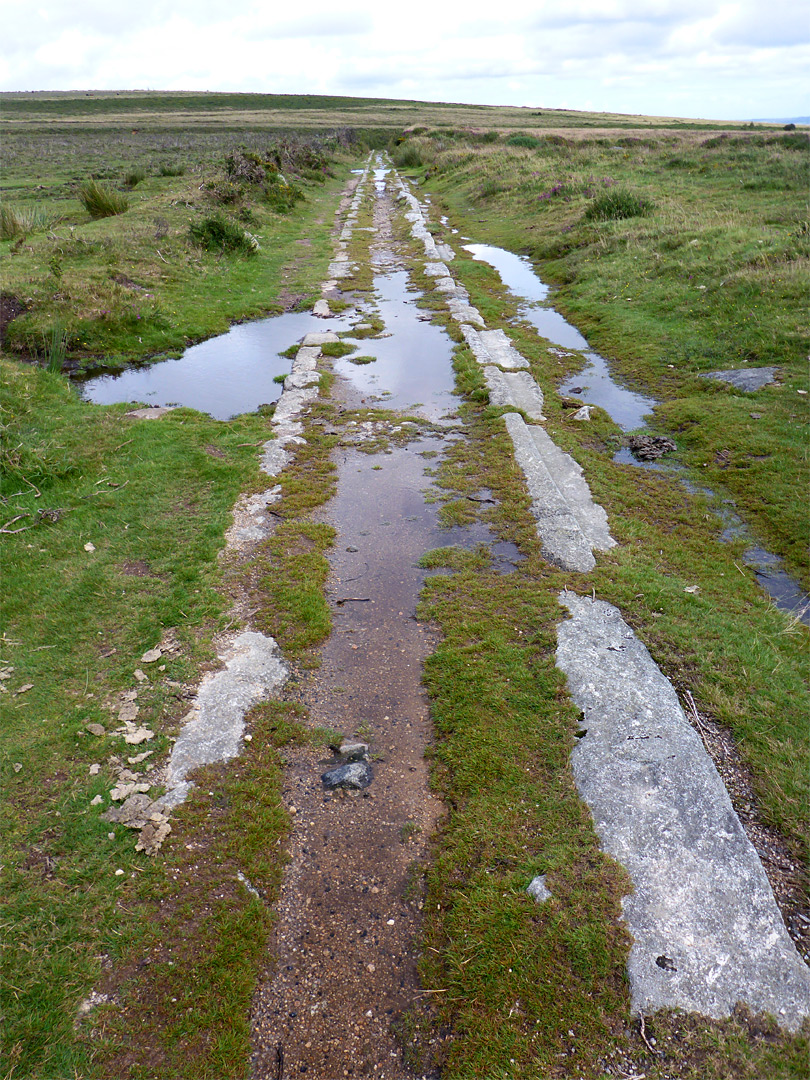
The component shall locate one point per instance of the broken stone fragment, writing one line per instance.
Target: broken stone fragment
(353, 751)
(123, 791)
(355, 774)
(135, 812)
(138, 735)
(96, 729)
(151, 656)
(152, 836)
(140, 757)
(127, 713)
(537, 889)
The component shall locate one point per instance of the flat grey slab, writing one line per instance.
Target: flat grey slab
(493, 347)
(570, 480)
(707, 932)
(464, 313)
(501, 350)
(564, 543)
(215, 725)
(315, 338)
(749, 379)
(515, 388)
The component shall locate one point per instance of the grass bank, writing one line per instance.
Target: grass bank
(676, 255)
(186, 235)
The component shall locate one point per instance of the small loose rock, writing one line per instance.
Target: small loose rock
(355, 775)
(650, 447)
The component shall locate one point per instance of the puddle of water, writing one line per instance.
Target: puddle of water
(595, 384)
(413, 367)
(227, 375)
(379, 179)
(769, 570)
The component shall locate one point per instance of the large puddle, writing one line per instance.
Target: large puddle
(595, 386)
(224, 376)
(412, 368)
(594, 383)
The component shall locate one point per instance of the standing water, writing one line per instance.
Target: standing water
(224, 376)
(595, 386)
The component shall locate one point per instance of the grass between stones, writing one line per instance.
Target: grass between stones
(177, 942)
(521, 989)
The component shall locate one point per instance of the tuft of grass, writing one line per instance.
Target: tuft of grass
(336, 349)
(617, 204)
(219, 233)
(135, 176)
(406, 156)
(101, 201)
(19, 221)
(171, 169)
(55, 347)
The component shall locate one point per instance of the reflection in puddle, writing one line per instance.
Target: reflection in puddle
(224, 376)
(413, 363)
(594, 383)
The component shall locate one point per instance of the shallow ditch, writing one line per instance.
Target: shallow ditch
(595, 385)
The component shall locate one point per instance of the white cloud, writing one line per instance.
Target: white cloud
(720, 57)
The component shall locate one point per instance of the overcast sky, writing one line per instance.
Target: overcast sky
(699, 58)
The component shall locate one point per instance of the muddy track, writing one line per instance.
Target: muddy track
(348, 916)
(343, 965)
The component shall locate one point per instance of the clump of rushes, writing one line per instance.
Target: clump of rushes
(55, 343)
(101, 201)
(19, 221)
(619, 203)
(135, 176)
(171, 169)
(406, 157)
(218, 233)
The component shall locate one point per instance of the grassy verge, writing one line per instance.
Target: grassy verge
(710, 275)
(122, 524)
(207, 239)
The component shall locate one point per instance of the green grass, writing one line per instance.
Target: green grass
(101, 201)
(510, 979)
(122, 524)
(153, 501)
(711, 276)
(140, 285)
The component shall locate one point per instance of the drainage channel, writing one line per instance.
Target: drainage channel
(350, 905)
(595, 385)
